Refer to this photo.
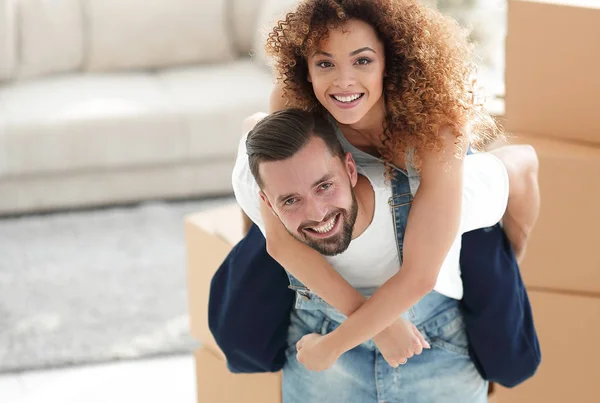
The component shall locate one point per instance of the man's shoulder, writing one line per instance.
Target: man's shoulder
(245, 188)
(375, 174)
(241, 169)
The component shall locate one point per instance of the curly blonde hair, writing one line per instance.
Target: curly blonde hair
(429, 72)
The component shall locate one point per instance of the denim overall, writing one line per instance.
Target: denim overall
(444, 373)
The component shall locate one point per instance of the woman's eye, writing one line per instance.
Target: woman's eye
(363, 61)
(324, 64)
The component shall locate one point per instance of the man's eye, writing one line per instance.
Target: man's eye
(324, 64)
(289, 202)
(363, 61)
(325, 186)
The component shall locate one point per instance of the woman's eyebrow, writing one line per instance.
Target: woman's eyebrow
(320, 52)
(353, 53)
(357, 51)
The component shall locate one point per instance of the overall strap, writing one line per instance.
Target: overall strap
(400, 205)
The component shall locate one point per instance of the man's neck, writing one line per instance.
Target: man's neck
(365, 198)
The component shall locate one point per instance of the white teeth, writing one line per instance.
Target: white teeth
(349, 98)
(325, 228)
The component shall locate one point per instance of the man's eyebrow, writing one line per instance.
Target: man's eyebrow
(283, 198)
(325, 178)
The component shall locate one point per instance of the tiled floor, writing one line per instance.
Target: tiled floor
(170, 379)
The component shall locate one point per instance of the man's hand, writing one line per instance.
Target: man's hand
(400, 341)
(314, 352)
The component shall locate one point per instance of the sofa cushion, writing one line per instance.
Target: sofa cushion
(8, 38)
(38, 193)
(108, 121)
(156, 33)
(66, 123)
(51, 37)
(269, 13)
(243, 15)
(215, 100)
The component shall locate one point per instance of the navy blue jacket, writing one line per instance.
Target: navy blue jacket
(250, 303)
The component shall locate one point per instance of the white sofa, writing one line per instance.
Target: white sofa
(114, 101)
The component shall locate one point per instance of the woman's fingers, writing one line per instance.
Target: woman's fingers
(422, 340)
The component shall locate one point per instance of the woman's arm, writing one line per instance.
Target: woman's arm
(277, 101)
(433, 225)
(309, 266)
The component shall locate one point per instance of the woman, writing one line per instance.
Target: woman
(396, 78)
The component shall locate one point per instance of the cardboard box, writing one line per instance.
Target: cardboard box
(568, 329)
(563, 253)
(215, 384)
(209, 237)
(552, 65)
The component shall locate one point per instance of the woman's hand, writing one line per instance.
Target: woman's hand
(399, 342)
(315, 353)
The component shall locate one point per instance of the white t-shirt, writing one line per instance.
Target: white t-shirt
(372, 258)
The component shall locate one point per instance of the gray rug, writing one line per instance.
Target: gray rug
(93, 286)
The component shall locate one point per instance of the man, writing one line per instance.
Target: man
(316, 191)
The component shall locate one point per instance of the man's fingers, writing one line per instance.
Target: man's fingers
(299, 344)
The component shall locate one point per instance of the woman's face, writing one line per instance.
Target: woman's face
(346, 71)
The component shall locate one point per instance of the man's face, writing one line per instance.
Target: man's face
(312, 194)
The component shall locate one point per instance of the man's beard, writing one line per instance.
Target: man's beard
(335, 244)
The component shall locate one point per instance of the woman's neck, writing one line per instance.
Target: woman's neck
(366, 133)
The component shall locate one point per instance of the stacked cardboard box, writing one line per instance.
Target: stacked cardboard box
(209, 237)
(552, 90)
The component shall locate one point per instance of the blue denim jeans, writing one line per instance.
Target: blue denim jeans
(444, 373)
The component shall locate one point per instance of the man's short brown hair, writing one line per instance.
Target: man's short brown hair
(282, 134)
